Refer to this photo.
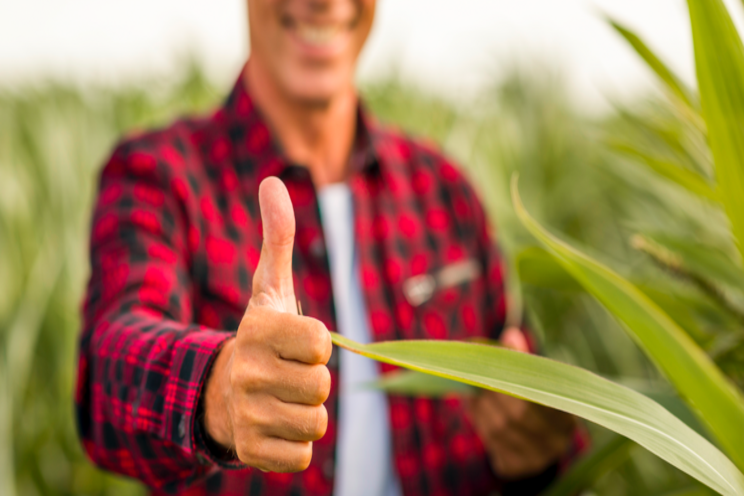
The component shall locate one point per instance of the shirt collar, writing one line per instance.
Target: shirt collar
(253, 137)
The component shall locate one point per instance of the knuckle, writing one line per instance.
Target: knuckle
(237, 377)
(278, 464)
(317, 384)
(261, 378)
(288, 462)
(244, 420)
(257, 323)
(311, 424)
(323, 383)
(246, 450)
(318, 423)
(242, 453)
(319, 341)
(303, 458)
(248, 328)
(246, 377)
(262, 457)
(257, 419)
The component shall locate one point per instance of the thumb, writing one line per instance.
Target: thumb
(514, 339)
(272, 281)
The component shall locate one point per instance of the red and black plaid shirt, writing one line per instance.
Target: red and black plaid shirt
(176, 236)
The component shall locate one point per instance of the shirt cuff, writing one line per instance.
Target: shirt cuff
(209, 452)
(194, 354)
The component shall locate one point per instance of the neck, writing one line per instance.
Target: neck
(318, 135)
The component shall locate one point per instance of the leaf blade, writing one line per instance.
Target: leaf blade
(719, 62)
(536, 267)
(697, 379)
(409, 383)
(673, 83)
(692, 182)
(567, 388)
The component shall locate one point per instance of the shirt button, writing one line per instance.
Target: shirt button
(182, 428)
(329, 467)
(316, 247)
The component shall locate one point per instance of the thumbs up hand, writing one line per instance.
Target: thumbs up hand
(264, 396)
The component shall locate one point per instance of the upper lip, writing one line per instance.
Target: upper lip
(341, 16)
(290, 21)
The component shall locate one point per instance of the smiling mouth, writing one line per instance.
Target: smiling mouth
(316, 35)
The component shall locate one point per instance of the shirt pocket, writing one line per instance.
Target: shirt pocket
(422, 288)
(446, 300)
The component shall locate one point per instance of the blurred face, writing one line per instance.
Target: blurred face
(309, 48)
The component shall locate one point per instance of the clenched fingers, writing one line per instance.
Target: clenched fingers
(300, 383)
(288, 381)
(271, 417)
(290, 337)
(295, 422)
(272, 454)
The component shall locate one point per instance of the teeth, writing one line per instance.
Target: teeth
(317, 35)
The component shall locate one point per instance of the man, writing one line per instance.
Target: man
(369, 232)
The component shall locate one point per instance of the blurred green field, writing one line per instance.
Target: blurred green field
(55, 137)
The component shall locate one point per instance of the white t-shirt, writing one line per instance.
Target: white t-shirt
(364, 463)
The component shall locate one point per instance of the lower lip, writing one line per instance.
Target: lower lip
(320, 52)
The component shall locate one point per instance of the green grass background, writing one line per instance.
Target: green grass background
(54, 137)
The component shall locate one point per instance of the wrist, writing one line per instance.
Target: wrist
(217, 425)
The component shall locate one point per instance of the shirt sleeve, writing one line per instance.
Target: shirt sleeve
(142, 363)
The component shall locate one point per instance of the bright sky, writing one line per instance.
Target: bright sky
(449, 46)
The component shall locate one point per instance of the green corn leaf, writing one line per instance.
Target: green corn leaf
(719, 61)
(672, 82)
(692, 182)
(697, 379)
(412, 383)
(598, 462)
(709, 269)
(703, 260)
(536, 267)
(689, 491)
(681, 310)
(668, 136)
(566, 388)
(661, 393)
